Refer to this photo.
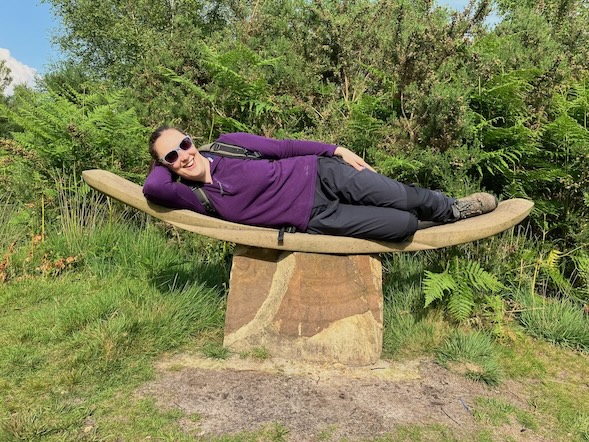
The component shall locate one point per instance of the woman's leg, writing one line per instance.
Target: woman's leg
(339, 181)
(369, 222)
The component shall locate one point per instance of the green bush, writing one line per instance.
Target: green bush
(69, 131)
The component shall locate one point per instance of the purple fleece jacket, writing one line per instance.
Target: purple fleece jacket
(276, 191)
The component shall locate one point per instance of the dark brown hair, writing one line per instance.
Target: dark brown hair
(153, 138)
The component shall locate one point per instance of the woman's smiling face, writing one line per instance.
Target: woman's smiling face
(190, 164)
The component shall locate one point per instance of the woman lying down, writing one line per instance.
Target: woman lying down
(311, 186)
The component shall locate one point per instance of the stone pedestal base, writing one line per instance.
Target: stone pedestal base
(314, 307)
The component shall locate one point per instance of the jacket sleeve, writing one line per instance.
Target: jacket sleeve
(162, 189)
(276, 149)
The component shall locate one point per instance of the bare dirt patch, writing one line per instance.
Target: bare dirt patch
(237, 395)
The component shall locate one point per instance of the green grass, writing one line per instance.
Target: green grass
(498, 412)
(84, 339)
(560, 396)
(422, 433)
(518, 357)
(215, 350)
(472, 354)
(76, 340)
(409, 329)
(559, 321)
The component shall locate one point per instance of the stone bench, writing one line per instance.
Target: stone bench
(311, 297)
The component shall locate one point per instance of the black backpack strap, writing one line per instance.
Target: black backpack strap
(229, 150)
(203, 198)
(282, 230)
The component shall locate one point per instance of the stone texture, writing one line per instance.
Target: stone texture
(315, 307)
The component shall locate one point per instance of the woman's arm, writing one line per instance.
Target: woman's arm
(276, 149)
(161, 188)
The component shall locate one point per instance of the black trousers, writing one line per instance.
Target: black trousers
(365, 204)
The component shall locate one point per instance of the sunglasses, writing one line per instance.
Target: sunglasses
(172, 156)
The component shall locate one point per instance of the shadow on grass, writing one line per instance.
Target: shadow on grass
(210, 275)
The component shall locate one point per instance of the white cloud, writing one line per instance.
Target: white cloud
(20, 72)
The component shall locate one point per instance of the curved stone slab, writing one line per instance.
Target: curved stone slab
(508, 214)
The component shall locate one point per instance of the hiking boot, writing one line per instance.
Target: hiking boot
(474, 205)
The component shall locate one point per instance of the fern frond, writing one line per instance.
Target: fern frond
(566, 128)
(189, 85)
(582, 266)
(465, 283)
(461, 303)
(552, 260)
(481, 279)
(563, 284)
(499, 160)
(435, 285)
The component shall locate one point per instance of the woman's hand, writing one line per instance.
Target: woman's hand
(352, 159)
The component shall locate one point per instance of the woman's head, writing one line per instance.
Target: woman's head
(175, 150)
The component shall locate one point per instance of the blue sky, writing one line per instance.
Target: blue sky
(26, 27)
(25, 34)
